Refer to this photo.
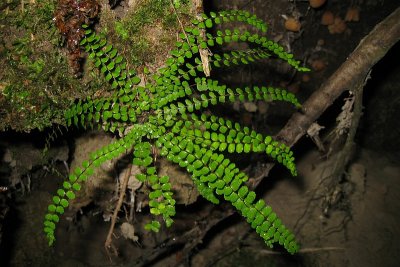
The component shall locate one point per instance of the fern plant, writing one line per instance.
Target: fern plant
(165, 113)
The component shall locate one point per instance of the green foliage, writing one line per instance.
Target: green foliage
(178, 3)
(165, 114)
(35, 86)
(81, 174)
(148, 31)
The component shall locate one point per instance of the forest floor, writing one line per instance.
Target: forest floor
(355, 226)
(360, 230)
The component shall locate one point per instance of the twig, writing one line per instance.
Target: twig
(370, 50)
(204, 53)
(353, 72)
(108, 243)
(313, 106)
(180, 22)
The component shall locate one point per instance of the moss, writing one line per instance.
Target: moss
(147, 31)
(36, 84)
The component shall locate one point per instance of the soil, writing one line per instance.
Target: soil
(361, 230)
(350, 220)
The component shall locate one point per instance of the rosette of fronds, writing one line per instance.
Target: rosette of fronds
(165, 115)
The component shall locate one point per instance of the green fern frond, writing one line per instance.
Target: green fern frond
(166, 113)
(222, 135)
(220, 175)
(81, 174)
(160, 196)
(226, 16)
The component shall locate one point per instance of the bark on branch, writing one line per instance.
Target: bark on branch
(350, 74)
(355, 69)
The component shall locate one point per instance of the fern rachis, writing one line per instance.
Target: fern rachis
(166, 113)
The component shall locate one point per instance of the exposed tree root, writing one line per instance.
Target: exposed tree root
(348, 76)
(108, 243)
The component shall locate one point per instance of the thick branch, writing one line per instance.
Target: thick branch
(355, 69)
(353, 72)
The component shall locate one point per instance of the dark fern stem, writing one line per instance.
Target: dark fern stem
(166, 113)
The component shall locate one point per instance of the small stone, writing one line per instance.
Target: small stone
(250, 106)
(339, 26)
(128, 231)
(327, 18)
(352, 14)
(292, 24)
(318, 65)
(316, 3)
